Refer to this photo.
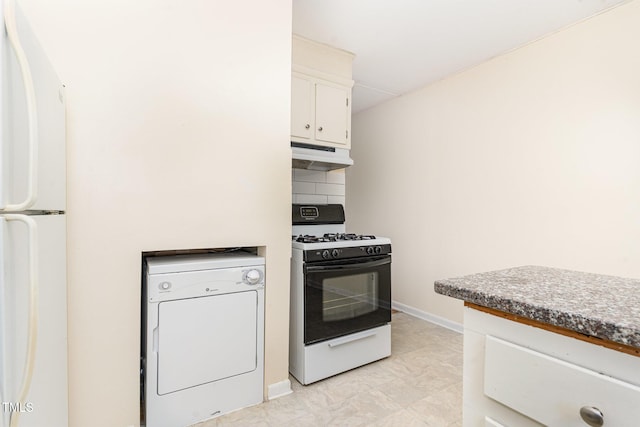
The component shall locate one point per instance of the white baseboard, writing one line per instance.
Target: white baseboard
(429, 317)
(279, 389)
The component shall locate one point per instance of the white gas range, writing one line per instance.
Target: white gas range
(340, 295)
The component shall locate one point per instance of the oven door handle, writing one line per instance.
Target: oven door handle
(353, 337)
(349, 266)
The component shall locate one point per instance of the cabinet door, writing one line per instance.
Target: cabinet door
(332, 113)
(301, 108)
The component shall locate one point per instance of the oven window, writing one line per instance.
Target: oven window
(347, 297)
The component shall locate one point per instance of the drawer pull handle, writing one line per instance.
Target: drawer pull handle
(592, 416)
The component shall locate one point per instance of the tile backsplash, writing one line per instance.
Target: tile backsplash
(318, 187)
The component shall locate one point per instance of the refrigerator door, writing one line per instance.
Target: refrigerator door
(43, 383)
(32, 158)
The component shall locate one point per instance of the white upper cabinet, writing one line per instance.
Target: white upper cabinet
(320, 112)
(302, 108)
(333, 113)
(320, 94)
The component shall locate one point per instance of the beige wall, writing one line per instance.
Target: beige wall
(530, 158)
(178, 137)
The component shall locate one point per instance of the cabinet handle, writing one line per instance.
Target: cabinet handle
(320, 129)
(592, 416)
(307, 126)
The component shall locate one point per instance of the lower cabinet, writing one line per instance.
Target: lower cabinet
(517, 375)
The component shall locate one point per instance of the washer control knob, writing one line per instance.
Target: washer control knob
(252, 277)
(165, 286)
(335, 253)
(326, 254)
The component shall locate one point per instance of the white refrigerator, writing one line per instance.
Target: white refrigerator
(33, 285)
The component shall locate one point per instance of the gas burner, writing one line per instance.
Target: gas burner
(331, 237)
(306, 238)
(334, 237)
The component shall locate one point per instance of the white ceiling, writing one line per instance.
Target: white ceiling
(402, 45)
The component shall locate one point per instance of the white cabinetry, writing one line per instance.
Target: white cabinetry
(302, 108)
(520, 375)
(320, 94)
(320, 111)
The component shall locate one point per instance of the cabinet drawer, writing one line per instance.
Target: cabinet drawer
(338, 355)
(552, 391)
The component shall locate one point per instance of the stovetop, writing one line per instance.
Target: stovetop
(323, 227)
(339, 240)
(332, 237)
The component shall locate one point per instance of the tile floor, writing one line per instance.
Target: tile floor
(419, 385)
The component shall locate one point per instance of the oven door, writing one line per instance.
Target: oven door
(346, 296)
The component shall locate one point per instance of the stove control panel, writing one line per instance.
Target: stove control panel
(312, 255)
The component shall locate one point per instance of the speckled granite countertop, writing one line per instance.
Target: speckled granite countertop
(606, 307)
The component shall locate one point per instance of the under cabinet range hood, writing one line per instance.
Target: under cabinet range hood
(314, 157)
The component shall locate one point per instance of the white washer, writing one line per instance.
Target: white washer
(203, 348)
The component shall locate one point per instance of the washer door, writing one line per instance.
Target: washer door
(201, 340)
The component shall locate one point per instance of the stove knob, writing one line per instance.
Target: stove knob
(378, 249)
(335, 253)
(326, 254)
(370, 250)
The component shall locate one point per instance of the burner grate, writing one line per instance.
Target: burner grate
(306, 238)
(332, 237)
